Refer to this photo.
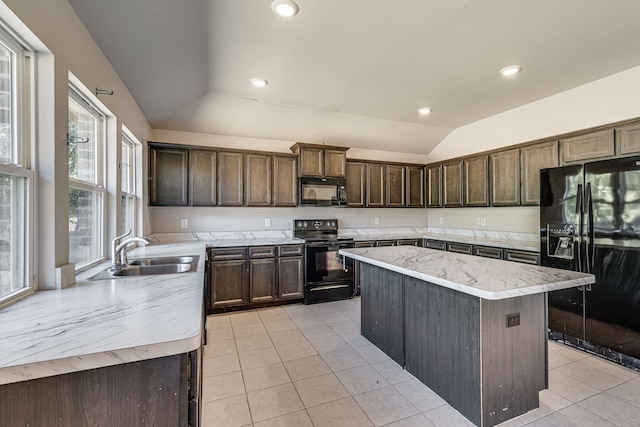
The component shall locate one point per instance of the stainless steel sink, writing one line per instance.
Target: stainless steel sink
(151, 266)
(163, 260)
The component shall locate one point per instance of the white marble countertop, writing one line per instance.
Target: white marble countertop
(482, 277)
(106, 322)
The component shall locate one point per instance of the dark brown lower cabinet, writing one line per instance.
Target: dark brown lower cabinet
(245, 277)
(459, 345)
(156, 392)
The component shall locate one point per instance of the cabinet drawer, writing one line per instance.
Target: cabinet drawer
(409, 242)
(365, 244)
(291, 250)
(435, 244)
(487, 252)
(381, 243)
(521, 256)
(221, 254)
(262, 252)
(460, 248)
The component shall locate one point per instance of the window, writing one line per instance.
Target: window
(86, 190)
(127, 185)
(16, 179)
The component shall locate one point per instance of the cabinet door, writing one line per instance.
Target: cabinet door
(202, 177)
(628, 138)
(356, 179)
(285, 181)
(415, 186)
(311, 161)
(258, 180)
(434, 186)
(476, 179)
(452, 184)
(262, 280)
(532, 159)
(168, 174)
(396, 186)
(335, 163)
(229, 285)
(505, 178)
(230, 179)
(593, 146)
(290, 277)
(375, 185)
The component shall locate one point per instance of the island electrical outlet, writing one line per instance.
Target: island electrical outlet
(513, 319)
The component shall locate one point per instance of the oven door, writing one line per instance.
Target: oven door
(325, 264)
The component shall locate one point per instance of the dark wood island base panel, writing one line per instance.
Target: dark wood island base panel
(467, 349)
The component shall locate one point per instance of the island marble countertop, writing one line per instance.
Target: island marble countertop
(482, 277)
(104, 322)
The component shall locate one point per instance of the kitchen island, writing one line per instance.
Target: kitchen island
(472, 329)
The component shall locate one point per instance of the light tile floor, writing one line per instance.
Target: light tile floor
(300, 365)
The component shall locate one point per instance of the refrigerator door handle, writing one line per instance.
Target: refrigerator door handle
(578, 235)
(591, 244)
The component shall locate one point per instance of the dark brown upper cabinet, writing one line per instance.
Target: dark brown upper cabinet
(415, 186)
(592, 146)
(375, 185)
(168, 176)
(452, 184)
(476, 181)
(532, 159)
(356, 184)
(285, 181)
(628, 139)
(505, 178)
(320, 160)
(434, 186)
(258, 178)
(395, 186)
(202, 178)
(230, 179)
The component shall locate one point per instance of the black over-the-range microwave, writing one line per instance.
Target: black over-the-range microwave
(323, 191)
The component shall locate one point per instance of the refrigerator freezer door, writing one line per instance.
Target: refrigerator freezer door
(561, 246)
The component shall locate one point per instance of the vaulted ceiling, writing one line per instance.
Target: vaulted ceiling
(354, 72)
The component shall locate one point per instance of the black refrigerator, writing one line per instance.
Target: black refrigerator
(590, 222)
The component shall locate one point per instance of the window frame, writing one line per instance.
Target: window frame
(75, 95)
(131, 195)
(19, 162)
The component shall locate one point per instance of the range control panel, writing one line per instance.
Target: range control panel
(315, 225)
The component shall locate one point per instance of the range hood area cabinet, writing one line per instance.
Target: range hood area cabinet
(385, 185)
(321, 161)
(196, 176)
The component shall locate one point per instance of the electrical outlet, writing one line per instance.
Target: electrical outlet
(376, 220)
(441, 220)
(483, 221)
(184, 223)
(477, 221)
(513, 319)
(267, 222)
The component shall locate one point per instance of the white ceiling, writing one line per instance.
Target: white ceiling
(354, 72)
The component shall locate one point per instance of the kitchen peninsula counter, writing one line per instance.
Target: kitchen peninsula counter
(472, 329)
(102, 323)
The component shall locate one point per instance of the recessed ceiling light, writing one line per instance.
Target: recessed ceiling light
(511, 70)
(285, 8)
(424, 111)
(257, 82)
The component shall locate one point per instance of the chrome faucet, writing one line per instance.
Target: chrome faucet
(119, 248)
